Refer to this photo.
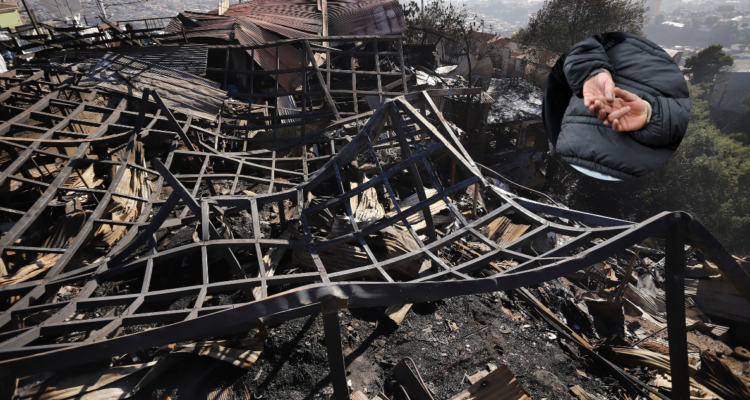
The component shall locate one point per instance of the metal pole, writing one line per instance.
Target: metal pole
(102, 10)
(474, 200)
(626, 278)
(675, 288)
(331, 326)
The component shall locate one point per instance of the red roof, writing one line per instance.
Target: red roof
(501, 41)
(483, 36)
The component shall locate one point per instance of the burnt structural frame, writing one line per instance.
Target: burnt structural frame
(308, 48)
(323, 291)
(91, 37)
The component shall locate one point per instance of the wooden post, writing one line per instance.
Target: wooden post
(474, 202)
(184, 34)
(453, 172)
(423, 110)
(32, 17)
(324, 12)
(626, 278)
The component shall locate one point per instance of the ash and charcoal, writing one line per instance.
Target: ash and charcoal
(448, 340)
(515, 100)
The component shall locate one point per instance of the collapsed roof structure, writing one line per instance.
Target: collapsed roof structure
(262, 20)
(142, 210)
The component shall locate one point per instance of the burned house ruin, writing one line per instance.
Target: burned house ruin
(280, 174)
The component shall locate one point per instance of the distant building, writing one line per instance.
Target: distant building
(672, 23)
(9, 17)
(533, 65)
(504, 42)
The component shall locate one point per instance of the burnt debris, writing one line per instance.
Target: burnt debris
(277, 205)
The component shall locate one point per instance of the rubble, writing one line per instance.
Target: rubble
(499, 383)
(315, 219)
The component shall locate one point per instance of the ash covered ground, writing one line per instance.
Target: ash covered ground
(515, 100)
(294, 364)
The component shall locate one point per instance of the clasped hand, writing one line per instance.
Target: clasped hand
(624, 110)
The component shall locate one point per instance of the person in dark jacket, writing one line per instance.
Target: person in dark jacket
(616, 106)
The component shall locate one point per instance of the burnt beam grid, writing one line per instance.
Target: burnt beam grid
(177, 240)
(95, 37)
(304, 87)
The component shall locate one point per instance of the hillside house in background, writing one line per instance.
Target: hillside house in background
(9, 16)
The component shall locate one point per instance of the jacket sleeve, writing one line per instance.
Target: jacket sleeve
(582, 59)
(669, 120)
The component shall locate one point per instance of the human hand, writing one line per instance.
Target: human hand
(598, 91)
(628, 112)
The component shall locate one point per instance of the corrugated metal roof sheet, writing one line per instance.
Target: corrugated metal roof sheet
(190, 58)
(292, 19)
(181, 91)
(287, 106)
(31, 32)
(21, 43)
(302, 18)
(250, 34)
(203, 25)
(82, 30)
(379, 17)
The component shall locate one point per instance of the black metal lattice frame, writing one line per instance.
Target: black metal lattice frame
(95, 37)
(324, 93)
(314, 291)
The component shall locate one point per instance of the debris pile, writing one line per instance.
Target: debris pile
(319, 222)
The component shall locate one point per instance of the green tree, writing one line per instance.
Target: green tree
(704, 66)
(695, 23)
(712, 171)
(724, 32)
(560, 24)
(711, 20)
(441, 19)
(455, 25)
(437, 18)
(725, 8)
